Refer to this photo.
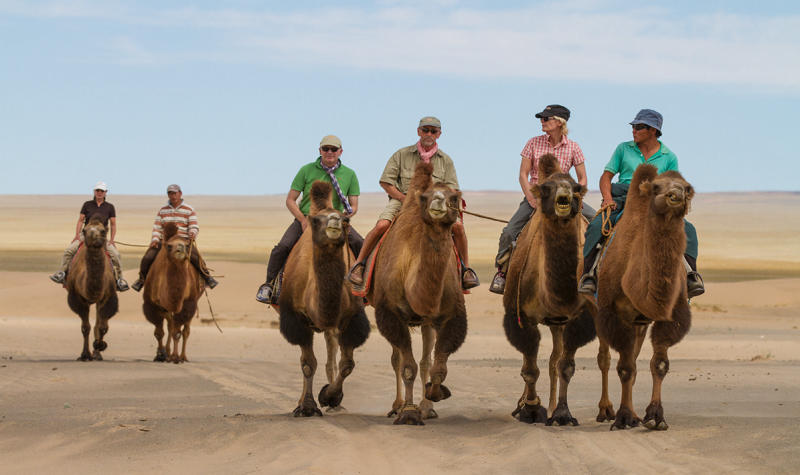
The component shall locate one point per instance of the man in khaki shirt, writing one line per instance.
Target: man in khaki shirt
(396, 179)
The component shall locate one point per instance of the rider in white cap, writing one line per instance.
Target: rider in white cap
(98, 206)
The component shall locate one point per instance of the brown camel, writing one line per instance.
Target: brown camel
(416, 282)
(542, 289)
(171, 291)
(91, 281)
(316, 297)
(641, 281)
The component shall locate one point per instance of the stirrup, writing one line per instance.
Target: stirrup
(588, 284)
(498, 285)
(264, 294)
(357, 279)
(469, 279)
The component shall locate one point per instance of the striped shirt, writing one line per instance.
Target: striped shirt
(184, 216)
(567, 152)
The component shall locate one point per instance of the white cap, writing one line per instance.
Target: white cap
(100, 185)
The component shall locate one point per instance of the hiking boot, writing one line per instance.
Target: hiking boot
(694, 284)
(59, 277)
(469, 279)
(137, 286)
(356, 275)
(264, 294)
(498, 285)
(122, 286)
(210, 281)
(588, 284)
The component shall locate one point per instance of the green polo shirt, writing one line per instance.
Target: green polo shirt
(400, 169)
(627, 157)
(312, 172)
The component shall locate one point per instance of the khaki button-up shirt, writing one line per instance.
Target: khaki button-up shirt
(400, 169)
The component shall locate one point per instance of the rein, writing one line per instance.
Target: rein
(461, 210)
(131, 245)
(605, 212)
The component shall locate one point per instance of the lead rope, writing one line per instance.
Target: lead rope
(522, 272)
(462, 210)
(205, 291)
(605, 212)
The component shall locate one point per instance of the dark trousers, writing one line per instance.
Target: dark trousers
(279, 254)
(150, 256)
(519, 220)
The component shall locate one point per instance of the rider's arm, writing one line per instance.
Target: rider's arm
(353, 200)
(113, 222)
(524, 183)
(605, 189)
(79, 226)
(294, 208)
(580, 171)
(392, 191)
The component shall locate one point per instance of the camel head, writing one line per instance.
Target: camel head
(329, 227)
(560, 196)
(94, 233)
(439, 205)
(177, 247)
(669, 194)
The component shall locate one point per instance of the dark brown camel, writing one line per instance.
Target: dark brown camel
(642, 281)
(316, 297)
(542, 289)
(416, 282)
(91, 281)
(171, 291)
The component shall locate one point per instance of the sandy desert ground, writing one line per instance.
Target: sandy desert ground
(732, 396)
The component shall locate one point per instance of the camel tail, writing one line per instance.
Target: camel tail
(320, 197)
(548, 164)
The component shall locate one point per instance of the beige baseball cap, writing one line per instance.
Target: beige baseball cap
(173, 187)
(430, 121)
(100, 185)
(330, 140)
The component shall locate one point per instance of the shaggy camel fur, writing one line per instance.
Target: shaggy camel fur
(171, 291)
(542, 289)
(316, 297)
(642, 280)
(91, 281)
(416, 282)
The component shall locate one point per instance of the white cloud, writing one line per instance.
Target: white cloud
(583, 39)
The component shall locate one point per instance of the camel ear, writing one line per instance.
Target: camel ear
(689, 191)
(580, 189)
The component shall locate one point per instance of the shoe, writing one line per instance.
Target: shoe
(694, 284)
(210, 281)
(469, 279)
(264, 294)
(59, 277)
(356, 275)
(122, 286)
(498, 285)
(587, 284)
(137, 286)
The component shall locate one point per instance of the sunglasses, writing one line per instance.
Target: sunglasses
(640, 126)
(429, 130)
(545, 119)
(329, 149)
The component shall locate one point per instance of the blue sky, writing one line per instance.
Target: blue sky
(232, 97)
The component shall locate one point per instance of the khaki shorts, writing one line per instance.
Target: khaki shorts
(391, 210)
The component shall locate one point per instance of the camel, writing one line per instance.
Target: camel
(542, 289)
(316, 297)
(416, 282)
(642, 280)
(91, 281)
(171, 291)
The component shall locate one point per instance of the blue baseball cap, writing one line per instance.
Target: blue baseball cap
(648, 117)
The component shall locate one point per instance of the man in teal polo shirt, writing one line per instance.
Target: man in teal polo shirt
(327, 167)
(644, 148)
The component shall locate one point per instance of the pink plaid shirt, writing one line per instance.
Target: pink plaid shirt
(567, 152)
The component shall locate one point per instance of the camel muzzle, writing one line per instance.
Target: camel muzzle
(438, 207)
(334, 228)
(676, 197)
(563, 203)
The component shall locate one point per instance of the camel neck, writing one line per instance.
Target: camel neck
(95, 269)
(329, 271)
(560, 243)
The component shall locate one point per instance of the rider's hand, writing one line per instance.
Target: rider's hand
(610, 203)
(153, 244)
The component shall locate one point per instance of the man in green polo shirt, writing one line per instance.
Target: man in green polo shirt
(327, 167)
(644, 148)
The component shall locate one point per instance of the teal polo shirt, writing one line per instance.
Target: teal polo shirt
(312, 172)
(627, 157)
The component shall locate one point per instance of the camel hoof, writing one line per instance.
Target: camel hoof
(100, 345)
(654, 417)
(606, 414)
(85, 356)
(530, 413)
(329, 400)
(307, 409)
(436, 395)
(97, 356)
(625, 419)
(562, 417)
(161, 356)
(409, 415)
(426, 408)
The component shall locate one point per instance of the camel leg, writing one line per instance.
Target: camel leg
(306, 406)
(448, 339)
(398, 400)
(332, 345)
(104, 312)
(185, 333)
(161, 351)
(525, 339)
(626, 369)
(557, 332)
(577, 333)
(410, 413)
(393, 327)
(79, 306)
(172, 340)
(428, 339)
(349, 338)
(604, 363)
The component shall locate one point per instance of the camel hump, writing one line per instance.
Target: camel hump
(422, 177)
(644, 172)
(320, 197)
(170, 230)
(548, 164)
(96, 219)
